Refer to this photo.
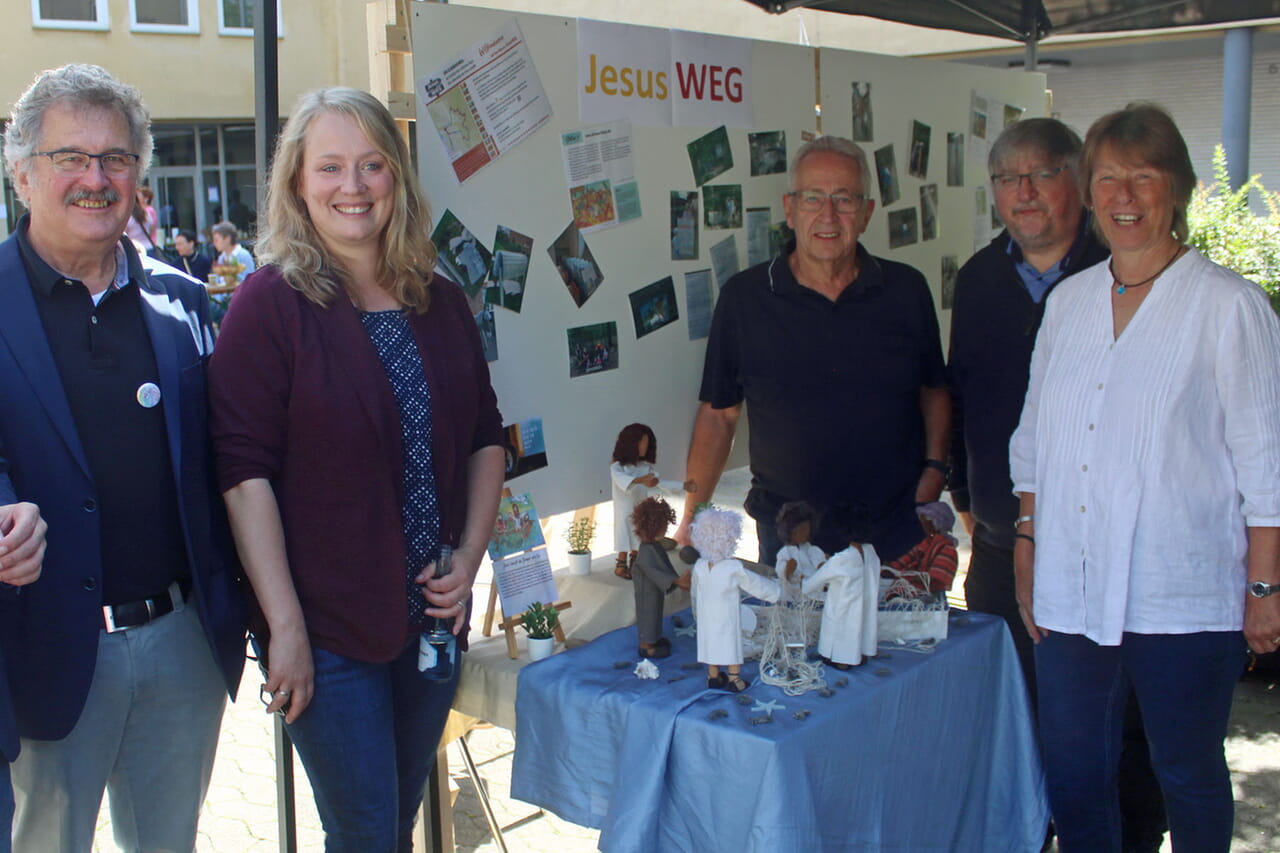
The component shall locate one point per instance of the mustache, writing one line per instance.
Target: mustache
(108, 195)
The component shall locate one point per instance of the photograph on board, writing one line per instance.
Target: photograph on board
(593, 349)
(654, 306)
(918, 164)
(768, 152)
(709, 155)
(861, 101)
(463, 257)
(887, 175)
(929, 212)
(684, 226)
(722, 206)
(902, 227)
(526, 449)
(488, 333)
(575, 264)
(955, 159)
(509, 270)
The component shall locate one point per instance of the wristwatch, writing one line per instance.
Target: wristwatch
(1259, 589)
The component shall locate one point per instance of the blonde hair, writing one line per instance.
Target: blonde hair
(406, 257)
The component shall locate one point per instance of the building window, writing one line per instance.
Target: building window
(70, 14)
(235, 18)
(164, 16)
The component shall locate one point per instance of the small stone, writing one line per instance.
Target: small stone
(802, 714)
(842, 681)
(622, 664)
(826, 692)
(762, 720)
(717, 714)
(744, 699)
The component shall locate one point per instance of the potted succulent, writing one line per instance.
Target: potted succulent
(540, 622)
(579, 537)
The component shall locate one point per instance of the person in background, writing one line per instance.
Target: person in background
(1146, 461)
(142, 227)
(226, 241)
(191, 260)
(121, 658)
(1000, 297)
(356, 433)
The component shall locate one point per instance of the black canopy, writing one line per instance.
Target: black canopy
(1025, 20)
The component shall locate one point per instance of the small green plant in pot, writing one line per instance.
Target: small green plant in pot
(540, 621)
(579, 537)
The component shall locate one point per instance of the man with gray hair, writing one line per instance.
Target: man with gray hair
(121, 656)
(1000, 298)
(838, 358)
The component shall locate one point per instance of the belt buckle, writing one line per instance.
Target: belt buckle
(109, 618)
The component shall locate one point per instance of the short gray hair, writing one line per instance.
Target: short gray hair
(836, 145)
(80, 86)
(1047, 137)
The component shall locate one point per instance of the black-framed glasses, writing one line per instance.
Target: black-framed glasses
(1039, 178)
(76, 162)
(813, 200)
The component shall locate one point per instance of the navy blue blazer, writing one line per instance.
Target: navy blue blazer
(49, 630)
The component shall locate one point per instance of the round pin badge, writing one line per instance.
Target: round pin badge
(148, 395)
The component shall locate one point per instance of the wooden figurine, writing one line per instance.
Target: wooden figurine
(653, 575)
(718, 582)
(852, 579)
(634, 476)
(798, 558)
(930, 566)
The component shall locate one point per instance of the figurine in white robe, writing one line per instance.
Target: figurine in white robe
(634, 477)
(718, 584)
(799, 558)
(852, 579)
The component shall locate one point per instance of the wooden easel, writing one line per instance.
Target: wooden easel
(508, 625)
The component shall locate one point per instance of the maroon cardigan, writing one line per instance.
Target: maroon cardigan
(298, 396)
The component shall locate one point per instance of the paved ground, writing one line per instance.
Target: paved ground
(240, 813)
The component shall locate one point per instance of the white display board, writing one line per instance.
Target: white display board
(525, 189)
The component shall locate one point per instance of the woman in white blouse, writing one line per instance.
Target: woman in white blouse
(1147, 462)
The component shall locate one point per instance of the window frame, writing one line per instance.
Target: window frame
(224, 30)
(101, 24)
(192, 28)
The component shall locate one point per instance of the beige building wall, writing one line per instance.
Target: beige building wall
(194, 76)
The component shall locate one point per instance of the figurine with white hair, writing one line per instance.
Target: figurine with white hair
(718, 584)
(852, 578)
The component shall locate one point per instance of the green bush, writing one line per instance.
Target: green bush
(1226, 231)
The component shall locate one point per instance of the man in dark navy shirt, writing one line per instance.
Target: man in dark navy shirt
(837, 358)
(120, 659)
(1000, 298)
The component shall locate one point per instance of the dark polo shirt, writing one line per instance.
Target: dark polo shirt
(104, 355)
(832, 389)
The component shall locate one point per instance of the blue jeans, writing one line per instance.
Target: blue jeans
(1183, 684)
(6, 808)
(368, 741)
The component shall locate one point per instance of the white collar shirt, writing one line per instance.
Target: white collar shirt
(1150, 454)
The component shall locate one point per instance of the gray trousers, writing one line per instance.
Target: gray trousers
(147, 736)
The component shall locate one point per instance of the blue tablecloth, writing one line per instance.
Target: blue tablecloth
(917, 753)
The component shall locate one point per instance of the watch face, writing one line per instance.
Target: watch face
(1261, 590)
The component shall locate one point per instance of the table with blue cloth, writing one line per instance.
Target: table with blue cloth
(917, 752)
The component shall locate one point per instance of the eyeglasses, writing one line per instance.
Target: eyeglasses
(76, 162)
(813, 200)
(1039, 179)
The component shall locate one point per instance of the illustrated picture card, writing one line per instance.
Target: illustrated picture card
(523, 579)
(517, 528)
(698, 303)
(654, 306)
(575, 264)
(593, 349)
(955, 159)
(929, 212)
(724, 260)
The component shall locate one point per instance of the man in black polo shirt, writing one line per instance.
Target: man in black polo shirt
(1000, 298)
(837, 357)
(121, 657)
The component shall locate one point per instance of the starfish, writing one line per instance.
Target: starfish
(767, 707)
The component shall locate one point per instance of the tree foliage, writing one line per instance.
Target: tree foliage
(1225, 230)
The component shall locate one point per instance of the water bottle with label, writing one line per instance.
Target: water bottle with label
(437, 647)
